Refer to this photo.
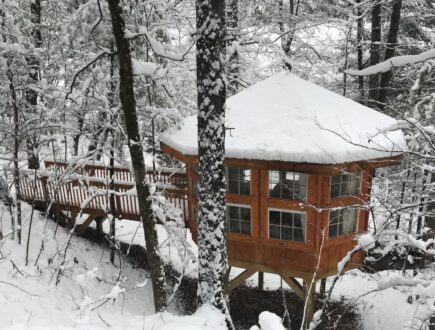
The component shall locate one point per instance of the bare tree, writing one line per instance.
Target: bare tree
(128, 103)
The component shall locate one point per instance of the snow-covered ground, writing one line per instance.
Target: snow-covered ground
(94, 294)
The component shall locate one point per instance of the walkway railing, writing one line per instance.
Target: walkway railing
(88, 188)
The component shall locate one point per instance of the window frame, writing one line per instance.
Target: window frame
(227, 181)
(281, 184)
(341, 182)
(304, 227)
(356, 222)
(246, 206)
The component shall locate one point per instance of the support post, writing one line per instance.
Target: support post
(261, 280)
(238, 280)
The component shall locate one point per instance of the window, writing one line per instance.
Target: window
(343, 222)
(345, 184)
(238, 181)
(287, 185)
(239, 219)
(287, 226)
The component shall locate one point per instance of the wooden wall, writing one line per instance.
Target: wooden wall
(294, 258)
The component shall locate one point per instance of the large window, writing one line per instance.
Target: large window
(238, 181)
(239, 219)
(287, 185)
(287, 226)
(345, 184)
(343, 222)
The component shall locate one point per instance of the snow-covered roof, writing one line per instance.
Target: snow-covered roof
(286, 118)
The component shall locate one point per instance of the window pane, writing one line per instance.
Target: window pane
(297, 222)
(274, 218)
(245, 227)
(335, 179)
(245, 187)
(286, 233)
(245, 175)
(332, 231)
(354, 186)
(245, 214)
(234, 226)
(335, 190)
(233, 187)
(275, 192)
(233, 173)
(274, 176)
(274, 232)
(286, 219)
(298, 235)
(290, 176)
(233, 212)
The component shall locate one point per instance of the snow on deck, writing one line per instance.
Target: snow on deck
(285, 118)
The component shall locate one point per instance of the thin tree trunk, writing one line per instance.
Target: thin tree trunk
(213, 261)
(375, 50)
(31, 95)
(390, 50)
(287, 39)
(359, 38)
(233, 59)
(128, 102)
(16, 153)
(112, 161)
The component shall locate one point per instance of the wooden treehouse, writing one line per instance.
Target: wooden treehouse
(300, 162)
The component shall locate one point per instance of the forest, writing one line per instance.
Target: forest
(217, 164)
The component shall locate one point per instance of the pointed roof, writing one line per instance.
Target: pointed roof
(286, 118)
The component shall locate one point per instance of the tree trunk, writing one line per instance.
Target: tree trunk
(213, 263)
(359, 38)
(232, 45)
(390, 50)
(128, 103)
(31, 95)
(375, 50)
(17, 198)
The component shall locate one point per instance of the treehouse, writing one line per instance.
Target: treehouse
(299, 165)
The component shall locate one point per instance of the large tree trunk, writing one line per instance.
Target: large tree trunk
(375, 50)
(390, 50)
(213, 263)
(31, 95)
(128, 102)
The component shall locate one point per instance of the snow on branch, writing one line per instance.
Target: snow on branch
(156, 46)
(83, 68)
(394, 62)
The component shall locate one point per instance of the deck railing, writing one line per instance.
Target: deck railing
(88, 188)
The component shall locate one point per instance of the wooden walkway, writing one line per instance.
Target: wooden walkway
(86, 188)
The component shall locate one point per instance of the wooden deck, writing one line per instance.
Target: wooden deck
(65, 188)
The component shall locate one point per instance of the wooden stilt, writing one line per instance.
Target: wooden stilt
(261, 280)
(322, 293)
(99, 222)
(238, 280)
(81, 228)
(295, 286)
